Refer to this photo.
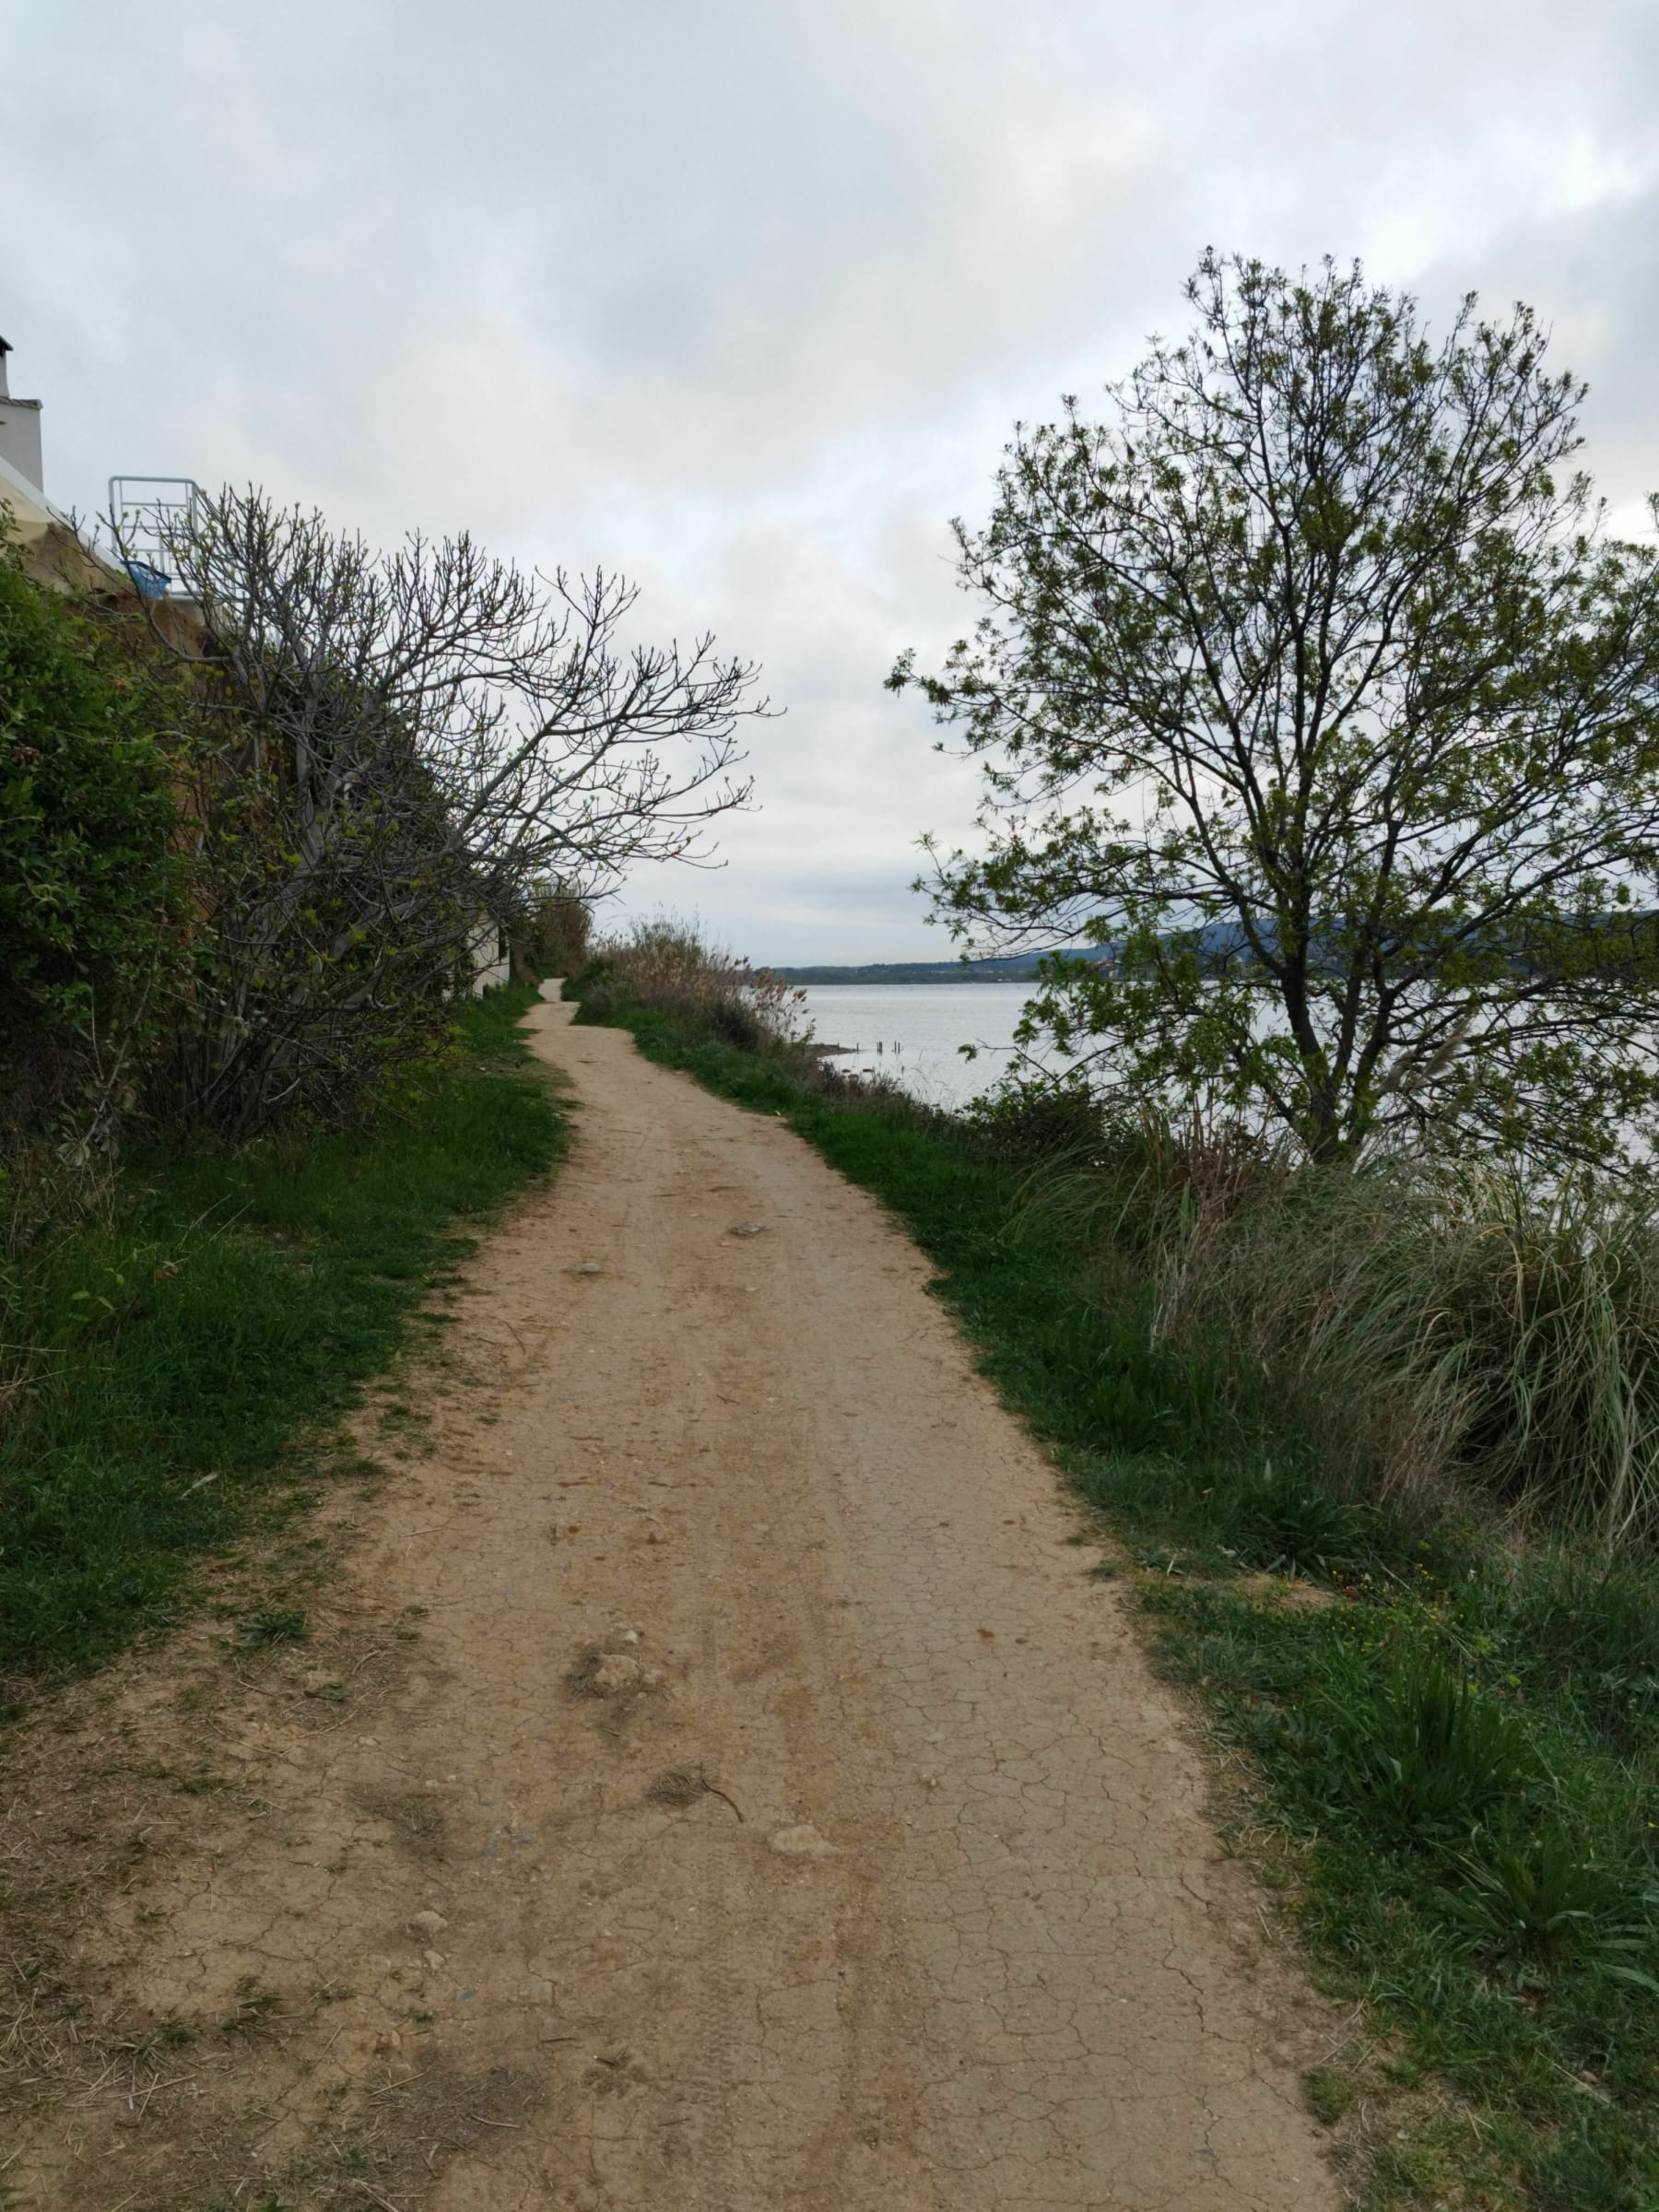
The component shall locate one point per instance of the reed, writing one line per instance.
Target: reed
(664, 966)
(1446, 1336)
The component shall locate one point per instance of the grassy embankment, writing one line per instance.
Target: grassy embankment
(1453, 1755)
(176, 1366)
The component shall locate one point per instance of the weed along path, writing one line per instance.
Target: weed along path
(771, 1812)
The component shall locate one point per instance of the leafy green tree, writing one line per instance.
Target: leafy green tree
(1310, 688)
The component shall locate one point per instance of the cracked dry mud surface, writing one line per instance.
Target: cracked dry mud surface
(771, 1813)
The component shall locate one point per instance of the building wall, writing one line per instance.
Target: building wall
(492, 963)
(20, 439)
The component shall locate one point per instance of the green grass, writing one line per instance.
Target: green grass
(1454, 1760)
(194, 1346)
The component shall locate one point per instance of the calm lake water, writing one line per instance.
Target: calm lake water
(920, 1027)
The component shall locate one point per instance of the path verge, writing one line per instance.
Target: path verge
(178, 1357)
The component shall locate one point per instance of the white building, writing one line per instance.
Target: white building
(19, 432)
(491, 959)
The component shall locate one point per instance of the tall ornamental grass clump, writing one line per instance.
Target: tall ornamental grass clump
(1447, 1335)
(1447, 1330)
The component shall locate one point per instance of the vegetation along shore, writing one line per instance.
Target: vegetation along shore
(1380, 1512)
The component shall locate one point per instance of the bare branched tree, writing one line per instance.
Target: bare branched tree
(406, 743)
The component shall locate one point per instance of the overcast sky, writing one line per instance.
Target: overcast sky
(743, 295)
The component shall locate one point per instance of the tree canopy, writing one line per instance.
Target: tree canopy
(1311, 690)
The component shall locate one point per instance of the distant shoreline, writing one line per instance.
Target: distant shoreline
(1022, 969)
(823, 978)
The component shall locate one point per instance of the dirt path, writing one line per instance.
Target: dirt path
(949, 1933)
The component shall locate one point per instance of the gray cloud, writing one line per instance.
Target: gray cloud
(745, 297)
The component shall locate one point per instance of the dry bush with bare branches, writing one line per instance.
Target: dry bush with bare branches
(663, 964)
(404, 742)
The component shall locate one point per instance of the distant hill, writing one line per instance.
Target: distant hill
(1223, 946)
(1019, 969)
(1222, 940)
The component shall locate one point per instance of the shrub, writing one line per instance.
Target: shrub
(1286, 1525)
(1423, 1757)
(1039, 1122)
(561, 926)
(735, 1021)
(408, 742)
(663, 966)
(1535, 1902)
(1588, 1636)
(90, 881)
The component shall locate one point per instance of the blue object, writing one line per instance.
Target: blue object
(152, 582)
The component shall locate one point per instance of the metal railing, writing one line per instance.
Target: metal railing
(146, 515)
